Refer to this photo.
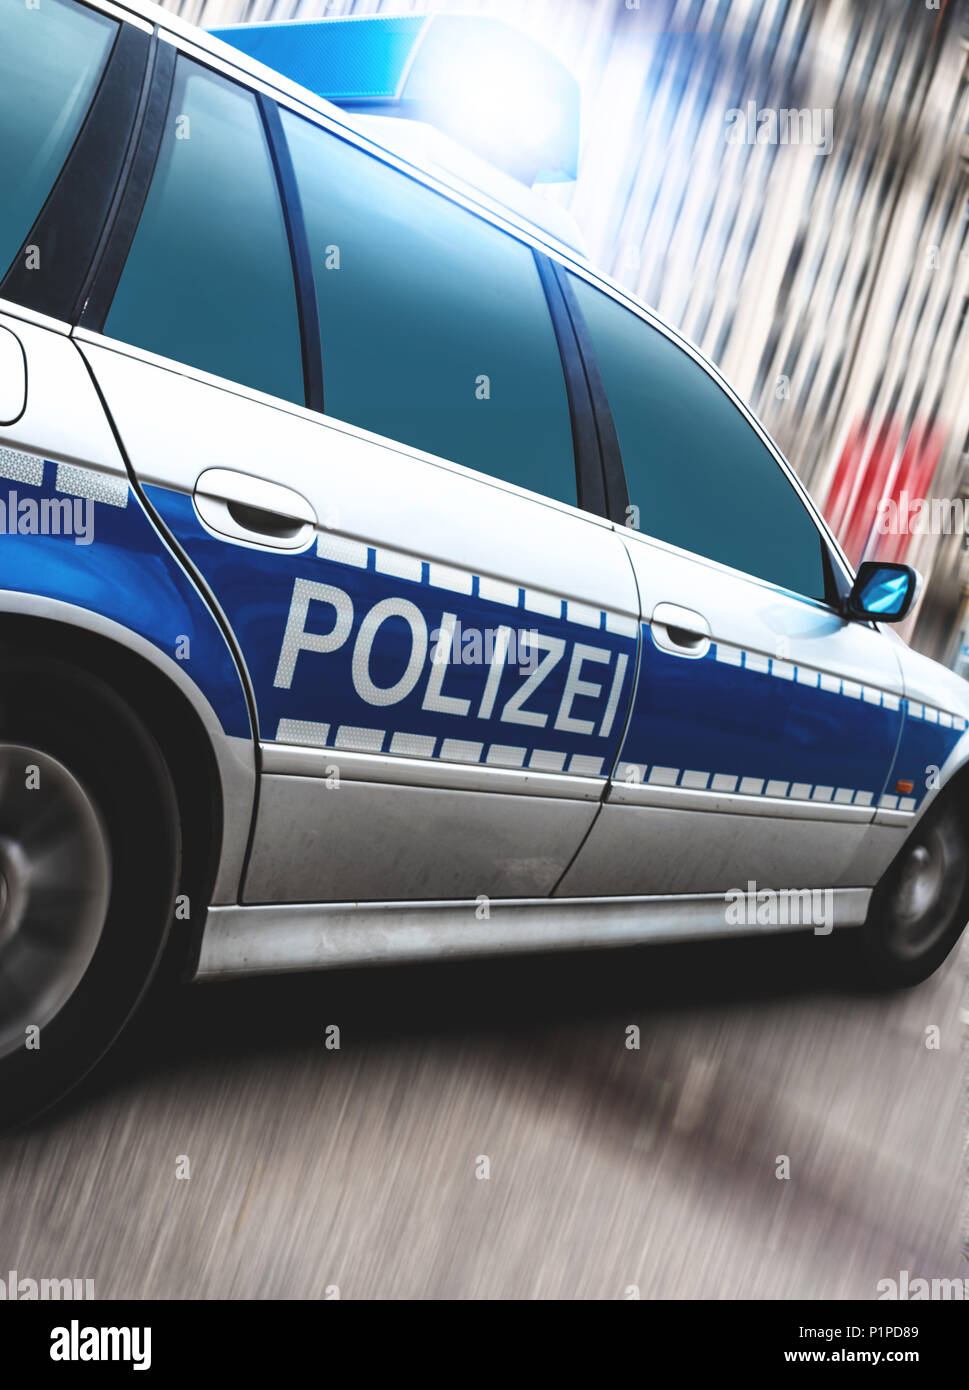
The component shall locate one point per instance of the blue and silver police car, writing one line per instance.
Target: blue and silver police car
(377, 580)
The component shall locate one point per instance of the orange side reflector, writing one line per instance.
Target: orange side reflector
(903, 788)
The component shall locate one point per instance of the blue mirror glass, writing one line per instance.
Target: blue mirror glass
(885, 592)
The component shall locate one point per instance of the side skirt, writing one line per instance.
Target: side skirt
(269, 940)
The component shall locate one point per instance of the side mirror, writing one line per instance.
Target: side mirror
(883, 592)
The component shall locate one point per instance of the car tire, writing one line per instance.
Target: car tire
(920, 907)
(89, 865)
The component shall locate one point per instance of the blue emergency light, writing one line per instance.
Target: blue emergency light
(481, 81)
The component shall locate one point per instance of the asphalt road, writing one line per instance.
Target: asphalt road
(610, 1168)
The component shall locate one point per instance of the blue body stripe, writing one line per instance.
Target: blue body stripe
(129, 575)
(924, 748)
(703, 715)
(711, 716)
(255, 589)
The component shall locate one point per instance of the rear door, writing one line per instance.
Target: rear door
(764, 725)
(441, 644)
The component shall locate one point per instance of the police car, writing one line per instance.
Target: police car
(377, 580)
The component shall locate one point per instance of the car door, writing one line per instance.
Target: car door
(764, 725)
(440, 643)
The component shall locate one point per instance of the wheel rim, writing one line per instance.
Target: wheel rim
(55, 881)
(928, 890)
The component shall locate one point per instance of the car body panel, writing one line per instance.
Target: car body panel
(934, 743)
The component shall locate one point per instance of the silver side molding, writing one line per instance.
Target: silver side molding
(269, 940)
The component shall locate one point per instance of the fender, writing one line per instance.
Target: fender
(127, 586)
(78, 546)
(933, 746)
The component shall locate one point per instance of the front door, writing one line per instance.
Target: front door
(764, 725)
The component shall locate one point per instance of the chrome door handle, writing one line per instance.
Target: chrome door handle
(680, 630)
(254, 509)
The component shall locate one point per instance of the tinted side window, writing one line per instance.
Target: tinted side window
(209, 278)
(435, 327)
(51, 60)
(701, 477)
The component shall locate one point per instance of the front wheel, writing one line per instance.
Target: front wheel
(920, 907)
(89, 859)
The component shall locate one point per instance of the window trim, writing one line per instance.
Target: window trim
(85, 189)
(119, 231)
(123, 12)
(311, 343)
(590, 490)
(120, 234)
(615, 495)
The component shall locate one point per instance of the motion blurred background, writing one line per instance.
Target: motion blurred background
(832, 291)
(830, 288)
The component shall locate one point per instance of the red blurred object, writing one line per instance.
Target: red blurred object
(869, 471)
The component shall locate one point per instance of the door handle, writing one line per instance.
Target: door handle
(254, 509)
(263, 523)
(680, 630)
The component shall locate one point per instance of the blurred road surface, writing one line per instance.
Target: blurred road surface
(610, 1168)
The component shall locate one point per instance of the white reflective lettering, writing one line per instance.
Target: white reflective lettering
(605, 728)
(513, 713)
(362, 683)
(495, 672)
(574, 686)
(296, 639)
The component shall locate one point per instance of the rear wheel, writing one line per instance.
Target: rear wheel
(921, 905)
(89, 860)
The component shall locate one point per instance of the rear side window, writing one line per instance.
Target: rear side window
(700, 476)
(209, 279)
(51, 61)
(435, 327)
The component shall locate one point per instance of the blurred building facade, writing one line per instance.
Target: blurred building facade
(787, 183)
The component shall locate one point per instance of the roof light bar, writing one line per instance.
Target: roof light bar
(484, 83)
